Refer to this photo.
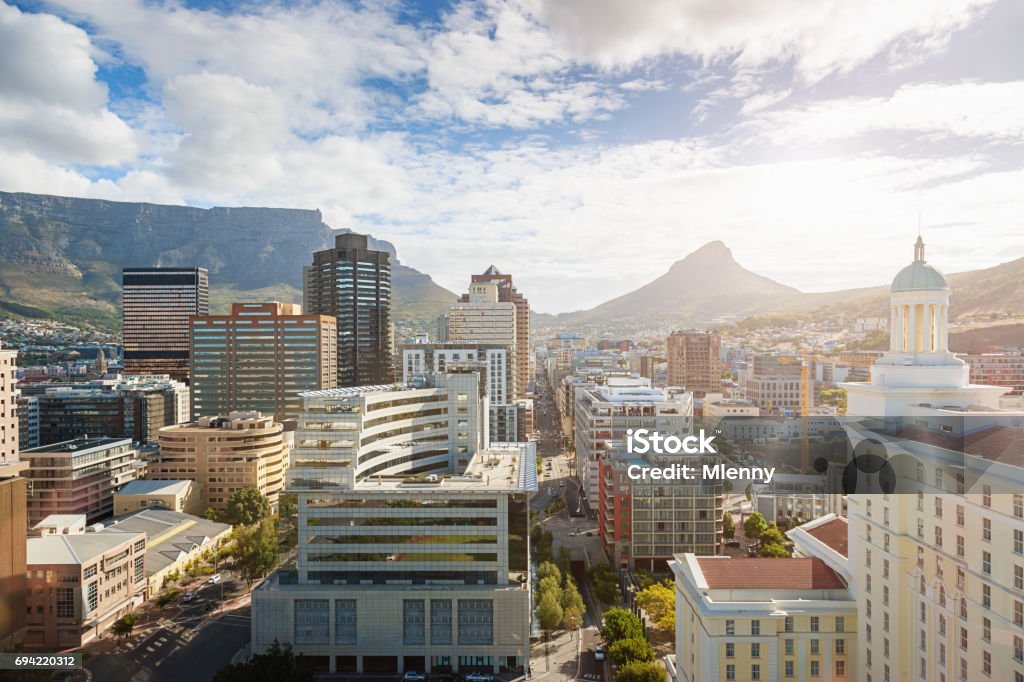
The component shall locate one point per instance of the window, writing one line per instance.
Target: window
(938, 536)
(65, 602)
(920, 528)
(867, 557)
(815, 624)
(963, 608)
(840, 668)
(986, 563)
(986, 530)
(345, 621)
(885, 595)
(789, 647)
(440, 621)
(789, 668)
(960, 515)
(986, 596)
(1018, 648)
(311, 621)
(840, 624)
(840, 646)
(476, 621)
(92, 594)
(413, 621)
(89, 572)
(789, 624)
(1018, 577)
(815, 646)
(815, 669)
(1018, 613)
(986, 629)
(885, 568)
(755, 627)
(942, 625)
(963, 638)
(1018, 541)
(961, 579)
(960, 545)
(755, 671)
(986, 663)
(1018, 505)
(730, 650)
(730, 627)
(986, 495)
(938, 507)
(730, 672)
(755, 650)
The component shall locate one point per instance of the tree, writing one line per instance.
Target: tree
(632, 649)
(659, 602)
(256, 550)
(288, 505)
(571, 618)
(277, 664)
(549, 613)
(606, 583)
(772, 536)
(754, 526)
(211, 514)
(571, 598)
(749, 492)
(550, 585)
(247, 506)
(728, 526)
(124, 625)
(773, 551)
(548, 570)
(637, 671)
(620, 624)
(167, 597)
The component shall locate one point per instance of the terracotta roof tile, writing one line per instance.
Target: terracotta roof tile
(833, 533)
(761, 574)
(997, 443)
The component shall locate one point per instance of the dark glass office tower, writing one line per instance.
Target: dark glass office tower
(352, 283)
(157, 304)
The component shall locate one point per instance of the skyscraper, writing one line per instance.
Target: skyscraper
(507, 294)
(352, 283)
(157, 304)
(694, 362)
(260, 357)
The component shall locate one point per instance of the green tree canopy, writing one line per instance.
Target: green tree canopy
(773, 551)
(572, 618)
(728, 526)
(631, 649)
(547, 569)
(549, 613)
(620, 624)
(247, 506)
(277, 664)
(772, 536)
(550, 585)
(256, 550)
(124, 625)
(659, 602)
(754, 526)
(571, 598)
(639, 671)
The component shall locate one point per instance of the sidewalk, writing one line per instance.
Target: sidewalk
(561, 662)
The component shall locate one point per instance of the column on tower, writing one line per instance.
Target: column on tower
(893, 329)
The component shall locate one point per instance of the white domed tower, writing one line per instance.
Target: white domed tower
(918, 370)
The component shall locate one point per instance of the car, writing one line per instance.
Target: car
(413, 676)
(189, 596)
(479, 677)
(599, 653)
(214, 579)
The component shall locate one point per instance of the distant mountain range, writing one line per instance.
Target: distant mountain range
(709, 285)
(61, 257)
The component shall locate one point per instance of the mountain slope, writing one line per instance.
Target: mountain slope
(61, 257)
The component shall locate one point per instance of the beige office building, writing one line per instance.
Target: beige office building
(694, 361)
(13, 526)
(80, 584)
(8, 407)
(183, 496)
(260, 357)
(224, 454)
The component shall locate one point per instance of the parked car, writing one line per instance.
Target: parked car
(413, 676)
(214, 579)
(599, 653)
(189, 596)
(479, 677)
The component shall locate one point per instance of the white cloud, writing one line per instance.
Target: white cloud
(643, 84)
(51, 105)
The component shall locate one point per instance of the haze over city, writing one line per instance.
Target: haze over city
(584, 146)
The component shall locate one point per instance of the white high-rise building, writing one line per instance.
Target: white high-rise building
(937, 564)
(8, 407)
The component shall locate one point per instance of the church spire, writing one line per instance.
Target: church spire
(919, 250)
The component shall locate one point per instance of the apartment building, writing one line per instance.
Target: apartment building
(772, 383)
(997, 369)
(261, 357)
(156, 305)
(410, 572)
(28, 422)
(9, 439)
(604, 414)
(80, 476)
(507, 293)
(762, 619)
(78, 585)
(223, 454)
(13, 526)
(352, 283)
(346, 435)
(694, 361)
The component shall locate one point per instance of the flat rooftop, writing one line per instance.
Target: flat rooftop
(78, 444)
(72, 549)
(154, 487)
(510, 467)
(351, 391)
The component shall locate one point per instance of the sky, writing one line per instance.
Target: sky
(581, 145)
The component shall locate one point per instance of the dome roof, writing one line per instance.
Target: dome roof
(919, 277)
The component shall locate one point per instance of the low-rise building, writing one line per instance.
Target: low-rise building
(763, 619)
(181, 496)
(78, 585)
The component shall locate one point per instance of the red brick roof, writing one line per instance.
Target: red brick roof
(997, 443)
(766, 574)
(834, 534)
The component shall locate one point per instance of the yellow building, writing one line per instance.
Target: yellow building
(225, 454)
(180, 496)
(762, 619)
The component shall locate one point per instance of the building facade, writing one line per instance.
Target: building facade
(352, 283)
(426, 573)
(997, 369)
(224, 454)
(260, 357)
(80, 476)
(184, 496)
(28, 422)
(694, 361)
(9, 439)
(78, 585)
(156, 304)
(763, 619)
(13, 527)
(507, 293)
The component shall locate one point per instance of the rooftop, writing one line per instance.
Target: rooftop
(83, 443)
(996, 444)
(832, 532)
(169, 534)
(351, 391)
(502, 467)
(73, 549)
(723, 573)
(154, 487)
